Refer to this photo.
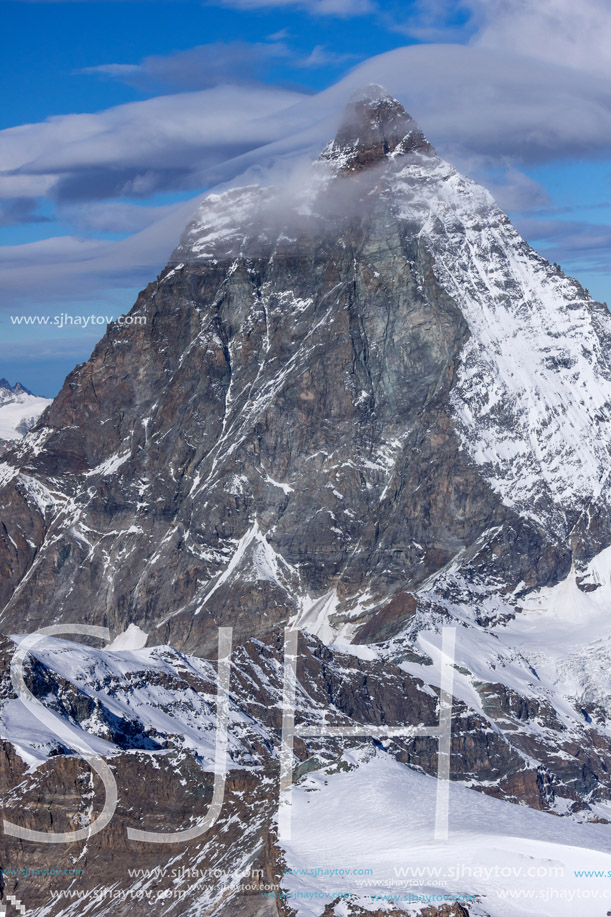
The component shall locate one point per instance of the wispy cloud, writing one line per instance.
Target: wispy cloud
(576, 245)
(103, 1)
(341, 8)
(200, 67)
(497, 103)
(280, 35)
(431, 20)
(117, 217)
(471, 100)
(136, 150)
(575, 35)
(321, 56)
(67, 267)
(513, 190)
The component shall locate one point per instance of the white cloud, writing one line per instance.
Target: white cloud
(512, 189)
(320, 56)
(67, 267)
(578, 246)
(431, 20)
(497, 102)
(123, 72)
(573, 34)
(142, 147)
(483, 99)
(317, 7)
(199, 67)
(113, 216)
(98, 1)
(480, 106)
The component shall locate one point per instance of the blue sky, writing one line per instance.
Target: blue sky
(117, 115)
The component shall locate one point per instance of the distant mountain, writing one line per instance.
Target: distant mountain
(17, 389)
(363, 408)
(19, 411)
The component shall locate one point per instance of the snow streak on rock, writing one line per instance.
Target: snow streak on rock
(533, 397)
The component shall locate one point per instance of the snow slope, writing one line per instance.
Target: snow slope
(368, 831)
(533, 398)
(557, 648)
(19, 410)
(146, 693)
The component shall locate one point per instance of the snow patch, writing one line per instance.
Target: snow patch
(134, 638)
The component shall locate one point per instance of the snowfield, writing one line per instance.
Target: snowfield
(16, 417)
(377, 817)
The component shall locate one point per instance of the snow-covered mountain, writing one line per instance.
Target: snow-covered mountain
(361, 407)
(19, 410)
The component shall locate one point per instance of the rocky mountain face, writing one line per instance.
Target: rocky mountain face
(362, 407)
(19, 411)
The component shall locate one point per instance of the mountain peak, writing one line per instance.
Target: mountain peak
(374, 126)
(16, 389)
(372, 93)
